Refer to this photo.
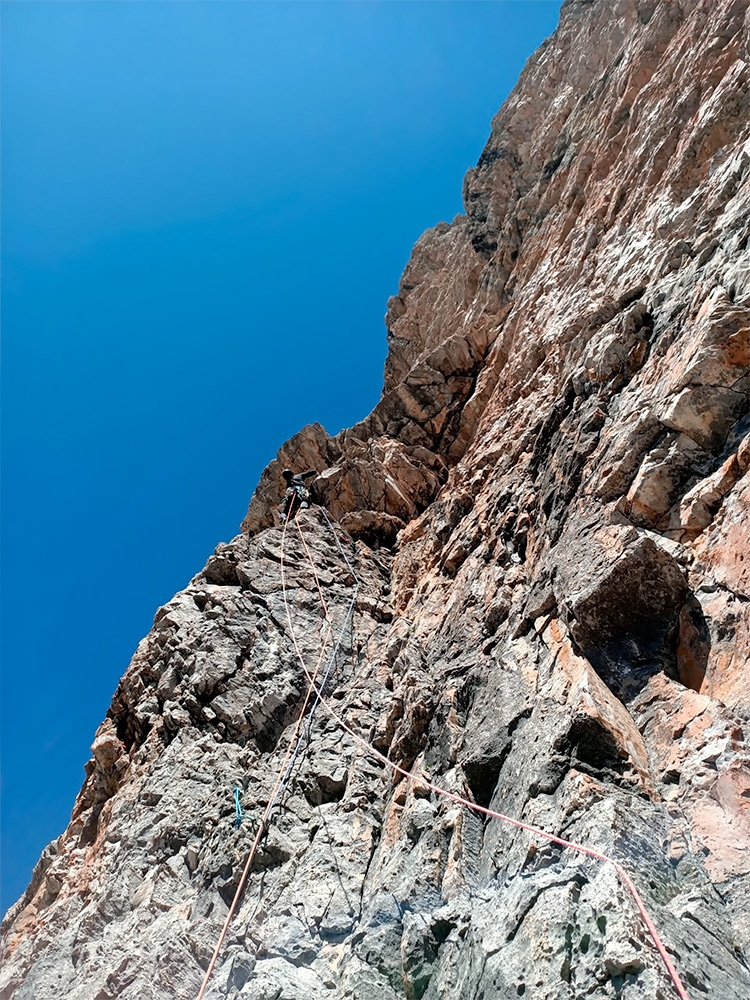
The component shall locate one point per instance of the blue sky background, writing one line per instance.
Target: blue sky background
(205, 208)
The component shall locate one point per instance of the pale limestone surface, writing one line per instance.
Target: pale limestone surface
(548, 513)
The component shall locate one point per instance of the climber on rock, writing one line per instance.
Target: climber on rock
(297, 495)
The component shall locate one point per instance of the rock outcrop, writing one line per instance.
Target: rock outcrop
(548, 513)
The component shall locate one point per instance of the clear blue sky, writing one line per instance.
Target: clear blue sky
(205, 208)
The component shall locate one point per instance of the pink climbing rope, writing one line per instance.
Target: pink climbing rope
(460, 800)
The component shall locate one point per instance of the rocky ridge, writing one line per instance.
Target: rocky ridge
(548, 513)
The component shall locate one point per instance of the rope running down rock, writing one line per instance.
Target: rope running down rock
(298, 738)
(458, 799)
(302, 729)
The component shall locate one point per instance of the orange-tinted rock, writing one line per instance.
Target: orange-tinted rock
(549, 511)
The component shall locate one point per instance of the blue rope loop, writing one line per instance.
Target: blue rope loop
(237, 808)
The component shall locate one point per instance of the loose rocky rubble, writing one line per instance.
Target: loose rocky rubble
(548, 515)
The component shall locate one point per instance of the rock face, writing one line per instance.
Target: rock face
(548, 514)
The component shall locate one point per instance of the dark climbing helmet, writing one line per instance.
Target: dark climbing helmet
(288, 474)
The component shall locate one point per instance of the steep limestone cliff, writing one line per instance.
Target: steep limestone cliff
(548, 513)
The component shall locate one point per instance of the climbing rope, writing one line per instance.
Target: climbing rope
(458, 799)
(347, 616)
(295, 744)
(302, 730)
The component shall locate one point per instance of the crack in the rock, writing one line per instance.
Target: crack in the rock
(577, 879)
